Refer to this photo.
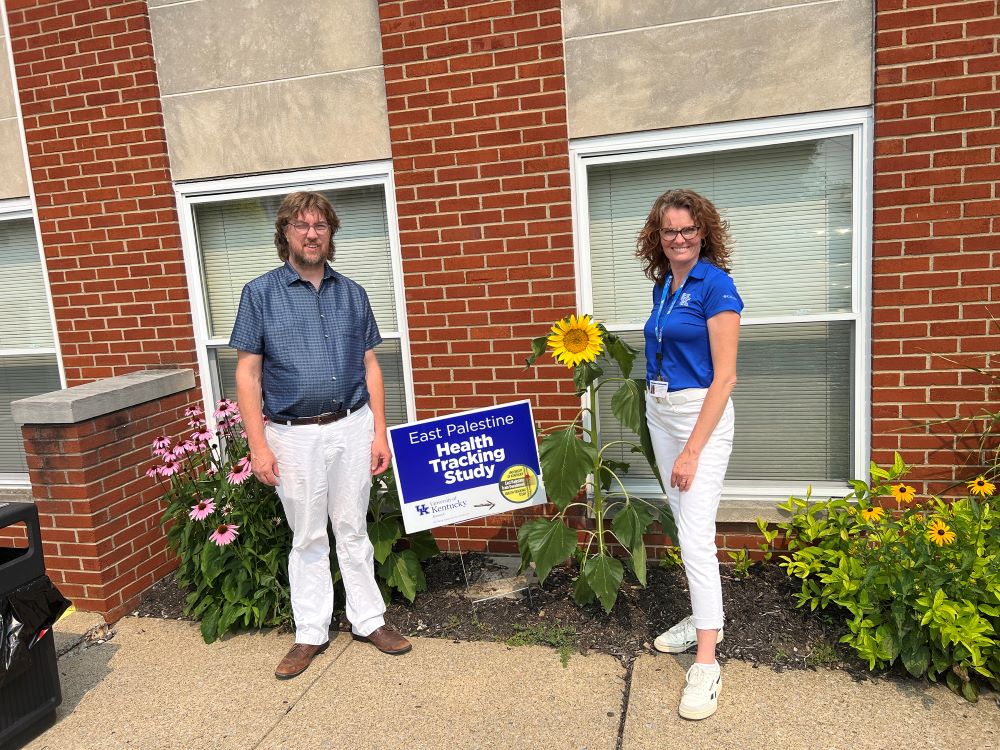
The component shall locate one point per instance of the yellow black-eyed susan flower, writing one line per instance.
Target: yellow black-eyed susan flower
(980, 486)
(903, 493)
(575, 340)
(939, 533)
(874, 513)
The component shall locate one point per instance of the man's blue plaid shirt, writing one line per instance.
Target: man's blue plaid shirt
(313, 343)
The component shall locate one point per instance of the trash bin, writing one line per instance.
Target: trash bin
(29, 605)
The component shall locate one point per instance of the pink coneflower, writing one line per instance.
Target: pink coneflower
(211, 471)
(161, 445)
(202, 434)
(241, 472)
(170, 467)
(182, 449)
(196, 423)
(193, 411)
(227, 509)
(224, 534)
(202, 509)
(153, 472)
(225, 409)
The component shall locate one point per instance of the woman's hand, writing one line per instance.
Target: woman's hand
(684, 470)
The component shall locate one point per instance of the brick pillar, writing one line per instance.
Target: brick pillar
(87, 449)
(936, 206)
(90, 102)
(477, 115)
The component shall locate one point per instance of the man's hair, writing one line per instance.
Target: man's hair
(715, 246)
(299, 203)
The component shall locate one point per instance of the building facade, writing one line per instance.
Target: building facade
(492, 163)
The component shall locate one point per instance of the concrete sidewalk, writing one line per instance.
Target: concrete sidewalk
(155, 684)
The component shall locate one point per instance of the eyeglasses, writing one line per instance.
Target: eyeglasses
(687, 233)
(302, 228)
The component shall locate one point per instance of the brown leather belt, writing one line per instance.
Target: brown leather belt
(325, 418)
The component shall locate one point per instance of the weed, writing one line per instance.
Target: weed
(561, 639)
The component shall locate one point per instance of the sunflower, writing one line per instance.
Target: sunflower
(903, 493)
(980, 486)
(873, 514)
(939, 533)
(574, 340)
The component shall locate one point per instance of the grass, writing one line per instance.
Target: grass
(561, 639)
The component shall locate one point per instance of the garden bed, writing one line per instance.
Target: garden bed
(763, 626)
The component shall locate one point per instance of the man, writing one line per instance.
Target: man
(305, 337)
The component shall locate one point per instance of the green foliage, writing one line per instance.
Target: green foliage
(741, 563)
(919, 585)
(243, 583)
(577, 475)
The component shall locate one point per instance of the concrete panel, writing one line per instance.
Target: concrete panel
(760, 707)
(803, 59)
(211, 43)
(7, 108)
(13, 183)
(457, 695)
(332, 119)
(581, 18)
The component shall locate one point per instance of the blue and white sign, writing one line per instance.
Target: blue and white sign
(464, 466)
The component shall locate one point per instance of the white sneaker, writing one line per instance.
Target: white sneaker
(680, 638)
(701, 693)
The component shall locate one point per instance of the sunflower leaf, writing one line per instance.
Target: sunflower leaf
(584, 374)
(549, 542)
(604, 575)
(566, 461)
(629, 405)
(538, 347)
(621, 352)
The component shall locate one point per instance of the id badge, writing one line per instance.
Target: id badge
(658, 388)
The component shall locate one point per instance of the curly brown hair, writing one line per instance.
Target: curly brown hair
(715, 245)
(299, 203)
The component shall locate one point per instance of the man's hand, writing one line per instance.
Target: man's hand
(381, 455)
(265, 466)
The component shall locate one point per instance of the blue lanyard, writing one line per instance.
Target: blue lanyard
(658, 326)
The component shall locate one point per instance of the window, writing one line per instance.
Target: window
(28, 363)
(793, 191)
(229, 240)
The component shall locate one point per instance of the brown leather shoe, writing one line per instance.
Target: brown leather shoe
(298, 658)
(386, 640)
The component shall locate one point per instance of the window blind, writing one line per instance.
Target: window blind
(21, 377)
(789, 207)
(236, 244)
(790, 212)
(24, 311)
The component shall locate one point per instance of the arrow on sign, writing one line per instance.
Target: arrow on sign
(487, 504)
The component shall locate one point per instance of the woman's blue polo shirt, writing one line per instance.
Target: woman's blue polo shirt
(687, 356)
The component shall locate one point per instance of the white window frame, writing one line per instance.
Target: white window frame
(191, 194)
(857, 123)
(11, 210)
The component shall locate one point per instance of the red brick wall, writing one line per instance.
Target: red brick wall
(99, 513)
(87, 83)
(476, 97)
(936, 208)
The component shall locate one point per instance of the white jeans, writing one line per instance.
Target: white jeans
(671, 420)
(325, 471)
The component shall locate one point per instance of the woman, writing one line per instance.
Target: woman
(691, 340)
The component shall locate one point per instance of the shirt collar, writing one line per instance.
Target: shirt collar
(290, 275)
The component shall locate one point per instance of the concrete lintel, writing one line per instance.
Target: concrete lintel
(83, 402)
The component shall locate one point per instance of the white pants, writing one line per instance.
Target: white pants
(671, 420)
(325, 471)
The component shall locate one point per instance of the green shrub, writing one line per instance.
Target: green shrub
(231, 539)
(919, 583)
